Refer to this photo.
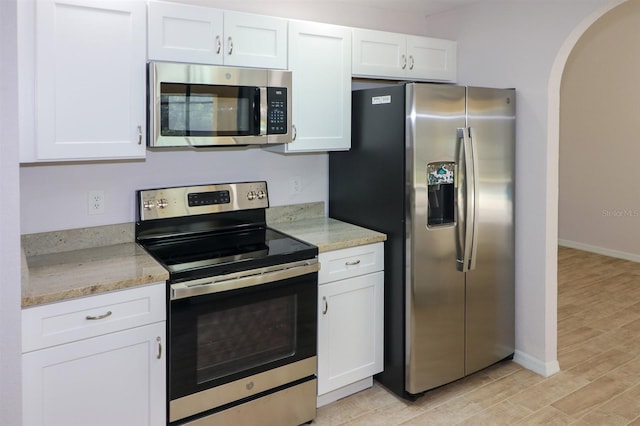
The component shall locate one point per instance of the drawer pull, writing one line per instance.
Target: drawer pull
(159, 340)
(355, 262)
(99, 317)
(326, 305)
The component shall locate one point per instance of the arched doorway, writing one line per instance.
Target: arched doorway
(553, 137)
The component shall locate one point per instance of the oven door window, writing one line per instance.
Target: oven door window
(216, 339)
(209, 110)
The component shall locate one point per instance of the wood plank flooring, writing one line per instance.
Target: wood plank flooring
(598, 352)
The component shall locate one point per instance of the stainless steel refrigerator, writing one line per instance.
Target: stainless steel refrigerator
(432, 166)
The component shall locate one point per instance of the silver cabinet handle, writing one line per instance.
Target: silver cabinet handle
(99, 317)
(326, 305)
(159, 340)
(355, 262)
(295, 132)
(218, 44)
(404, 61)
(411, 62)
(230, 41)
(139, 135)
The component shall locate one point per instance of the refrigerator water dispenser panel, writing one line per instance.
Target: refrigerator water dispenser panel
(441, 194)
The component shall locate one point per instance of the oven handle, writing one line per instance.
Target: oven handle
(243, 279)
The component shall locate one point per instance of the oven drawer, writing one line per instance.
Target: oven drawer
(57, 323)
(290, 406)
(350, 262)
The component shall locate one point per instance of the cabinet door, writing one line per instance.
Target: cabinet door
(255, 41)
(90, 79)
(350, 325)
(115, 379)
(379, 54)
(431, 59)
(180, 33)
(320, 60)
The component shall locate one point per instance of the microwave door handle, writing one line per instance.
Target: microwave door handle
(263, 111)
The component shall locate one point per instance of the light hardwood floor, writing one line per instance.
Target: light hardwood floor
(598, 352)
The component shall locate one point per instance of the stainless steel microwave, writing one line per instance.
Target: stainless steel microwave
(207, 105)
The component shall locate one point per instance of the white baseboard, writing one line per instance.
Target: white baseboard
(344, 391)
(545, 369)
(600, 250)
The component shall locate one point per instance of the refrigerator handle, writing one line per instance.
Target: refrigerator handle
(471, 201)
(461, 203)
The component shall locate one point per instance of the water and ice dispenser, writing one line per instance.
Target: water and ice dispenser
(441, 193)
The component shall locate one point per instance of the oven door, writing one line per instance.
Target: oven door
(229, 346)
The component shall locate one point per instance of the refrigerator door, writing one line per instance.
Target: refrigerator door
(490, 284)
(435, 299)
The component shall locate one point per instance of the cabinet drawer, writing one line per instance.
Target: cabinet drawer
(64, 322)
(350, 262)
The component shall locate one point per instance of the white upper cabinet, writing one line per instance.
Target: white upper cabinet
(185, 33)
(383, 54)
(180, 33)
(89, 75)
(320, 62)
(255, 41)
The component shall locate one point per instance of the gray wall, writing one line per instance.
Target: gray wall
(599, 203)
(10, 389)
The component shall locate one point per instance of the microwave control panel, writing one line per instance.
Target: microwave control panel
(277, 110)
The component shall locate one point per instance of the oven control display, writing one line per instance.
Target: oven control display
(209, 198)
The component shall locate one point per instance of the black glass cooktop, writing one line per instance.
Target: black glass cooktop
(219, 253)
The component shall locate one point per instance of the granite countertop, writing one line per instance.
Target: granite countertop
(329, 234)
(63, 265)
(56, 277)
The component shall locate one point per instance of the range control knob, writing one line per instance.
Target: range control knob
(251, 195)
(148, 204)
(261, 194)
(162, 203)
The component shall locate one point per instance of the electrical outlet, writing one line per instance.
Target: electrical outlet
(296, 185)
(95, 202)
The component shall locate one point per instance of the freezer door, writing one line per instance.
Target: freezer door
(435, 298)
(490, 285)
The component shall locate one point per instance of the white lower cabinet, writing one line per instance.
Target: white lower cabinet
(115, 378)
(350, 320)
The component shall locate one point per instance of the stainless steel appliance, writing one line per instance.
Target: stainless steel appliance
(242, 306)
(207, 105)
(432, 166)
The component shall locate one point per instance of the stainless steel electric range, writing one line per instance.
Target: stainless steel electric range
(242, 306)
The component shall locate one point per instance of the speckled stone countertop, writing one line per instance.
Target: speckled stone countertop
(329, 234)
(55, 277)
(67, 264)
